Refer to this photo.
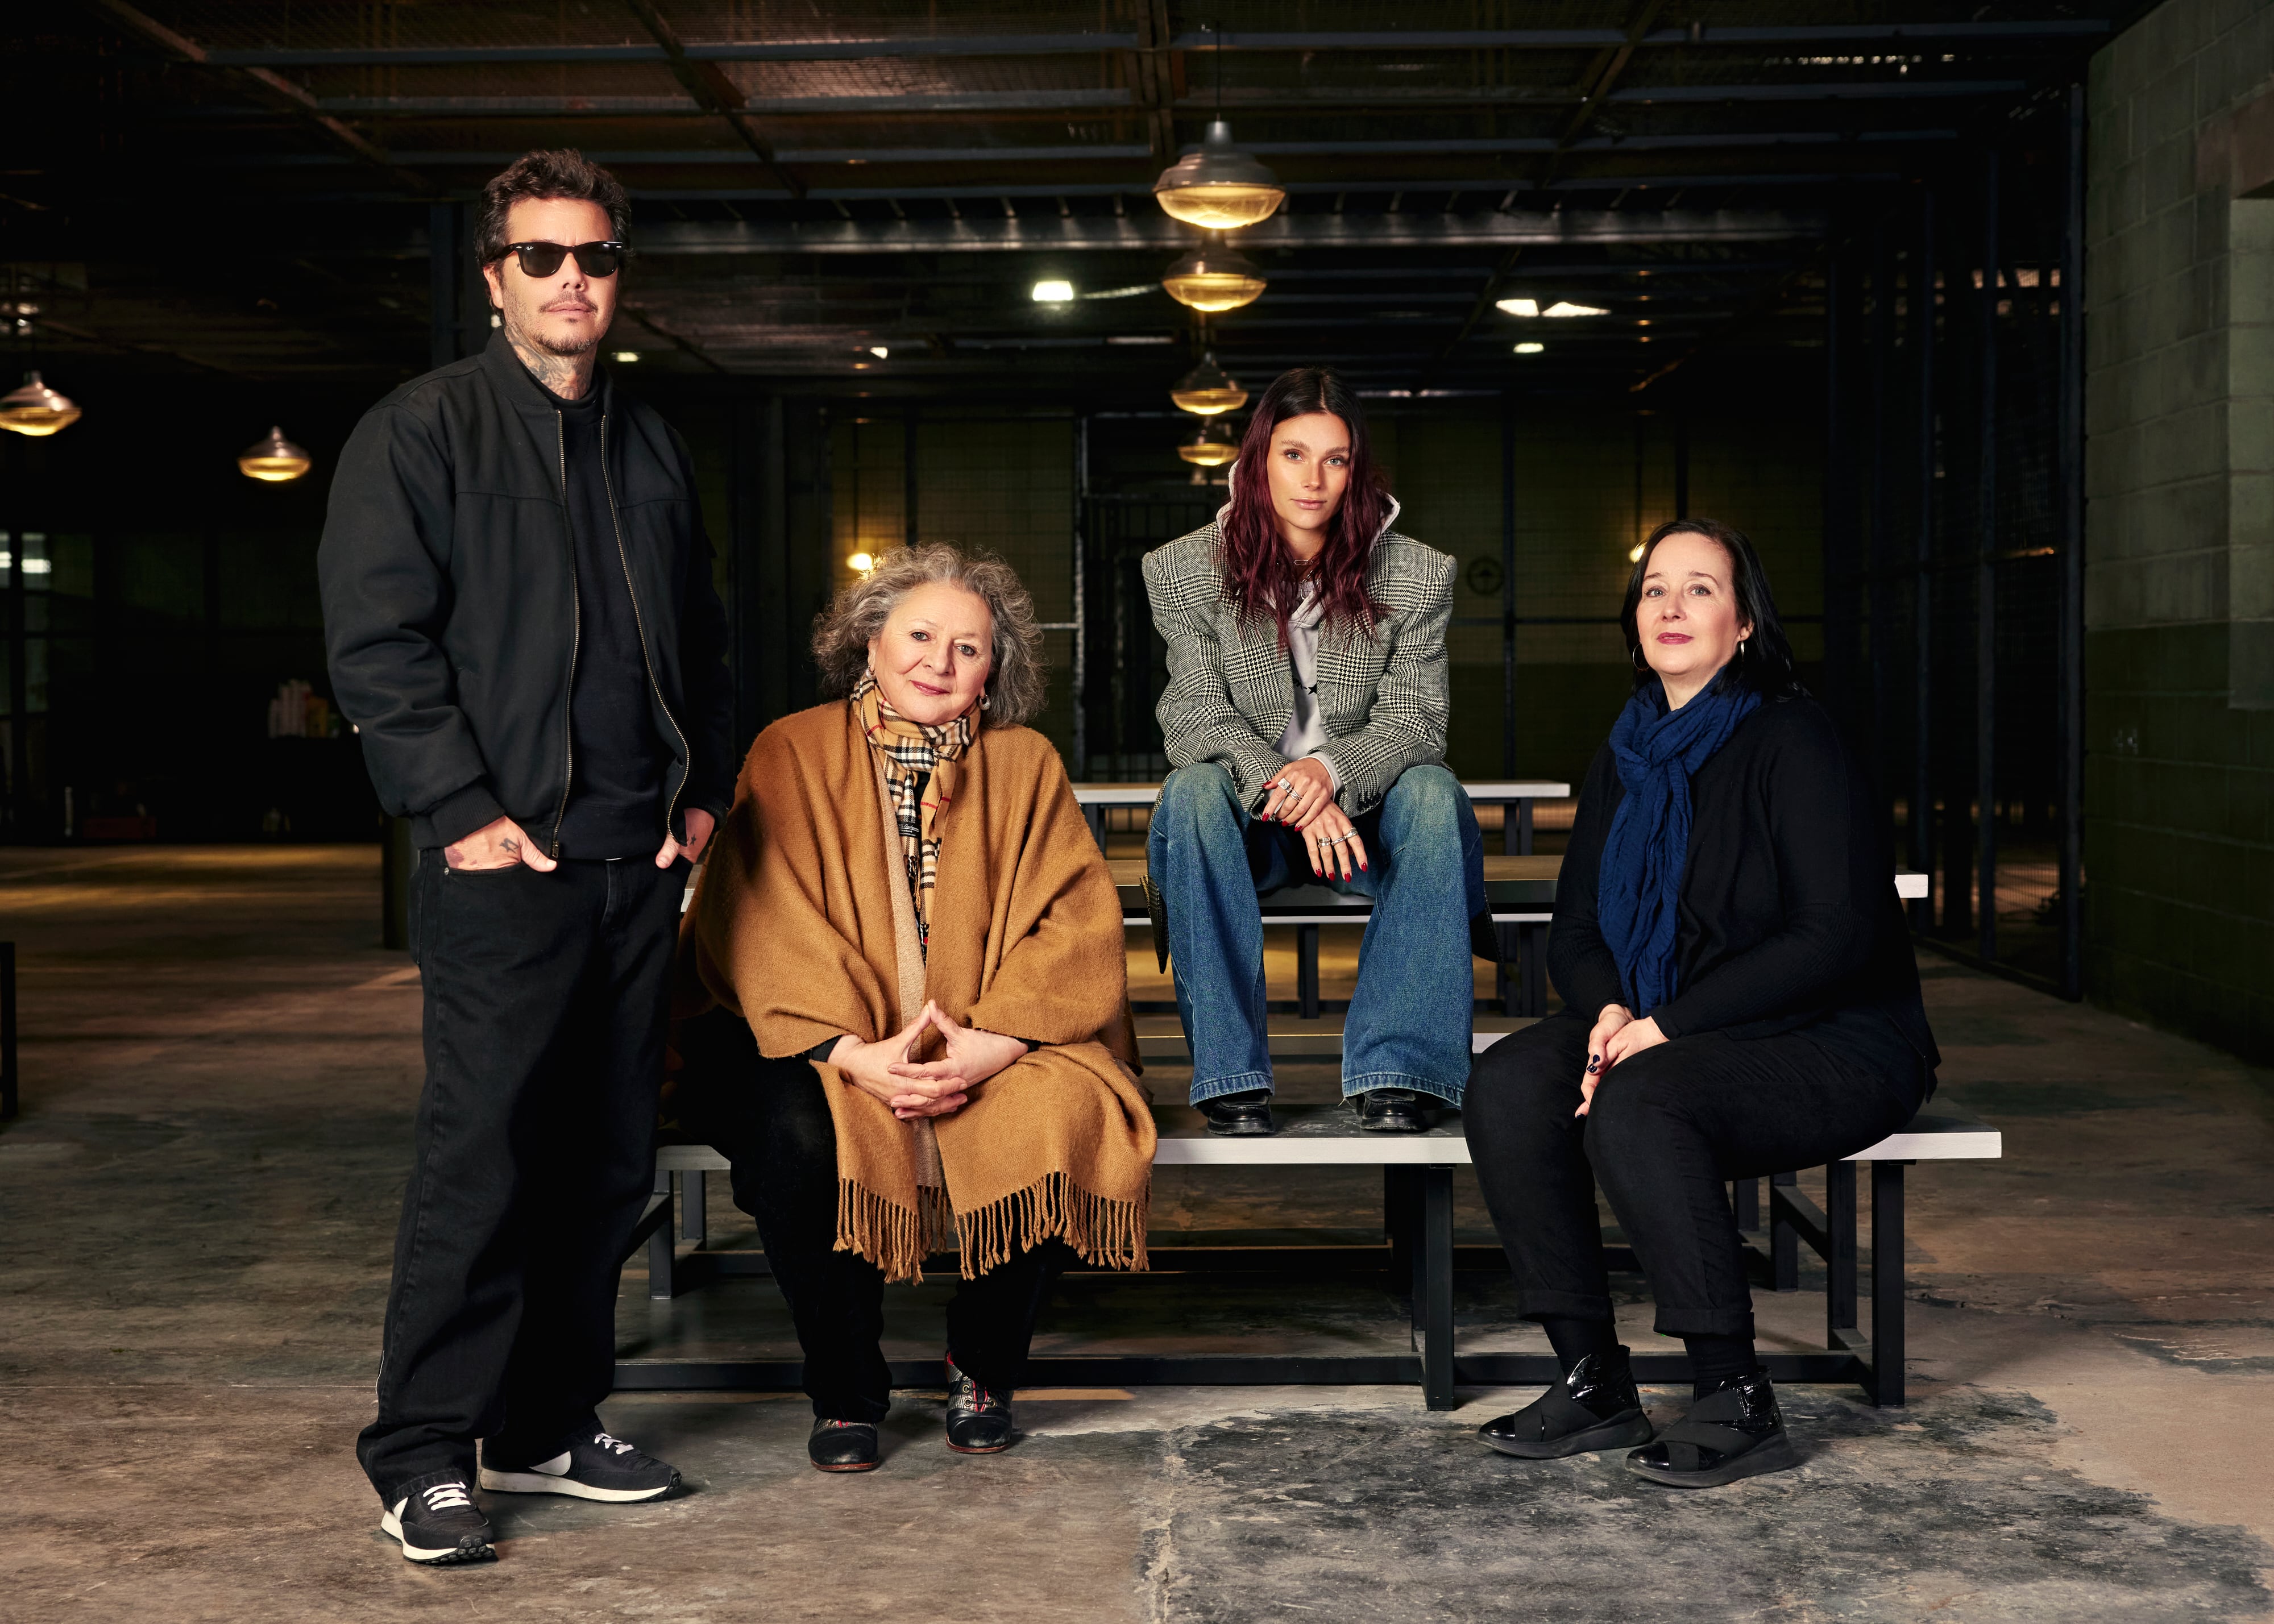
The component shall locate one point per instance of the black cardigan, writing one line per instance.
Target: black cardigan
(1788, 915)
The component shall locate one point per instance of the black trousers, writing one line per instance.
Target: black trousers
(771, 1119)
(546, 1000)
(1667, 1129)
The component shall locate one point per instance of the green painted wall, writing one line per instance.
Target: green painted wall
(2180, 525)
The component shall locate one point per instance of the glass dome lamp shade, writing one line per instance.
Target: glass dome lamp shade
(1213, 279)
(1207, 389)
(36, 409)
(273, 459)
(1218, 188)
(1211, 446)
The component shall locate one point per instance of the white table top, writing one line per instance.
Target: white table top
(1146, 794)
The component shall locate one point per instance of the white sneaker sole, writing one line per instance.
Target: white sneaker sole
(541, 1483)
(449, 1556)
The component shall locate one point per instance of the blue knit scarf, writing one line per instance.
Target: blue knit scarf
(1638, 888)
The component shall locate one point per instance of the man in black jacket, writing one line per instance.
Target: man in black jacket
(522, 625)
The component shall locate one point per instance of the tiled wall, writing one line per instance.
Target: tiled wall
(2180, 748)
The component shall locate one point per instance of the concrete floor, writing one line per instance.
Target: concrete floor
(197, 1202)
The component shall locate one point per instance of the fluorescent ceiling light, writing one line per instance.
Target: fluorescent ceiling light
(1530, 349)
(881, 351)
(1564, 307)
(1053, 293)
(625, 356)
(1139, 338)
(1520, 307)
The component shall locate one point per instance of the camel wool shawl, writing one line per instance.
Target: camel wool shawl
(802, 925)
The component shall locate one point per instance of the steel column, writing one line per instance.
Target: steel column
(2071, 547)
(1985, 583)
(1921, 820)
(1508, 590)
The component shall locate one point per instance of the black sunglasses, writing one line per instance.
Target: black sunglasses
(593, 258)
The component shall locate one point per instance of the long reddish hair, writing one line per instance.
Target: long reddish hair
(1261, 576)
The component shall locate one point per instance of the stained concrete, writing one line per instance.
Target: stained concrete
(198, 1203)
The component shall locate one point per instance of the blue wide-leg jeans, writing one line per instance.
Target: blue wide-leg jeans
(1409, 1020)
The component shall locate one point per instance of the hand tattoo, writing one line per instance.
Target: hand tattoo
(511, 844)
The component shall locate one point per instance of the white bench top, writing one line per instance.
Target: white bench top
(1146, 794)
(1330, 1136)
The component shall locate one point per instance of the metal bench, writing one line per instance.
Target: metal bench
(1417, 1254)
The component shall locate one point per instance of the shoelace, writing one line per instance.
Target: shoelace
(615, 1444)
(448, 1497)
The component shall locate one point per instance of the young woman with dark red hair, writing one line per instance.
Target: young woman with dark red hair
(1305, 717)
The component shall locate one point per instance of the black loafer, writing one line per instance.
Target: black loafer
(843, 1446)
(978, 1419)
(1390, 1111)
(1736, 1431)
(1248, 1111)
(1595, 1407)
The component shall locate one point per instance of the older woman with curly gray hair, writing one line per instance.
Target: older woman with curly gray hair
(906, 1023)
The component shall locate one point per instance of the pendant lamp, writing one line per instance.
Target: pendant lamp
(1212, 447)
(273, 459)
(1213, 279)
(1207, 389)
(36, 409)
(1219, 187)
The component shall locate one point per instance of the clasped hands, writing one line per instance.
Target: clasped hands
(883, 1070)
(1303, 795)
(1616, 1036)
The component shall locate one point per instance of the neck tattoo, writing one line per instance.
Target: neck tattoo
(567, 376)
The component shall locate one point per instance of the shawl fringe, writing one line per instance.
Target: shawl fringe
(1104, 1233)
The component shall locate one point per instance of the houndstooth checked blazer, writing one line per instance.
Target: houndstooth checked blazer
(1383, 699)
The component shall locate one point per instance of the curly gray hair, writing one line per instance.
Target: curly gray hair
(1018, 677)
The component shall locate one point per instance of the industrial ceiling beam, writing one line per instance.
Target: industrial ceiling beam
(1154, 232)
(272, 89)
(714, 90)
(1150, 39)
(1602, 77)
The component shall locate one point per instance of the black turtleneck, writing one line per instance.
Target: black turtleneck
(617, 761)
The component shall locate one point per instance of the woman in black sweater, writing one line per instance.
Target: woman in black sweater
(1739, 998)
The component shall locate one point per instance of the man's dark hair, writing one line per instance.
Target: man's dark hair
(563, 173)
(1764, 661)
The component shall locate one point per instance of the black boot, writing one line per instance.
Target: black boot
(1734, 1432)
(1248, 1111)
(978, 1420)
(1595, 1407)
(843, 1446)
(1390, 1111)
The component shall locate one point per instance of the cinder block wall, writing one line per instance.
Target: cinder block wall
(2180, 600)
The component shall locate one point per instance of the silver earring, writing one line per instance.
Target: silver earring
(985, 700)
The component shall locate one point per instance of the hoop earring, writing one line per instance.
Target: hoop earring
(985, 699)
(1641, 665)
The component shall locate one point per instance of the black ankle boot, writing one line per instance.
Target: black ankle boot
(1247, 1111)
(1595, 1407)
(1736, 1431)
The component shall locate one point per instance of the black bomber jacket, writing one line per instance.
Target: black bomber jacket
(449, 590)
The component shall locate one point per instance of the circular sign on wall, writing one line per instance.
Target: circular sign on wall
(1483, 577)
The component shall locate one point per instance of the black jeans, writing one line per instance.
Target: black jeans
(535, 1145)
(1667, 1129)
(771, 1119)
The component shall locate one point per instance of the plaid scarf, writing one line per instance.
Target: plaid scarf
(913, 753)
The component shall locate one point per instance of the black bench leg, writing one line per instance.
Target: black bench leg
(1784, 1240)
(1535, 969)
(1401, 1214)
(1887, 1284)
(1839, 1264)
(1307, 970)
(1436, 1289)
(1095, 816)
(693, 1207)
(662, 1262)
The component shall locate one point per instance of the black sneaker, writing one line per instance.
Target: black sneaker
(436, 1521)
(1595, 1407)
(1736, 1431)
(978, 1420)
(593, 1466)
